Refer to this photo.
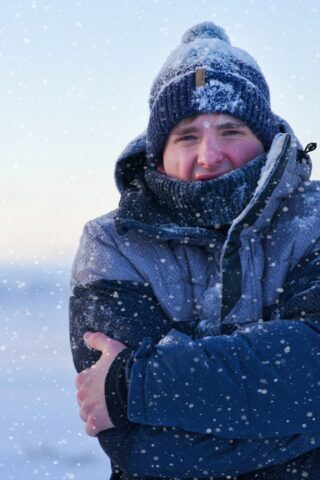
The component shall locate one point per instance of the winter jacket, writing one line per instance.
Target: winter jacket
(223, 330)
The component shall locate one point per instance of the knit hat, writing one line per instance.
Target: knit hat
(205, 74)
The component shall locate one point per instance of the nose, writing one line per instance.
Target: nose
(210, 153)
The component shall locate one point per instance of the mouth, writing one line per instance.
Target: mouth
(208, 176)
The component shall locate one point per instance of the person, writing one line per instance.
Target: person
(195, 307)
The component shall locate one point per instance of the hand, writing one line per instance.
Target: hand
(90, 383)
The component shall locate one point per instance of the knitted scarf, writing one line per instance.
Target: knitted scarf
(155, 199)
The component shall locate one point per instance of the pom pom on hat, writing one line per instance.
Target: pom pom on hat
(205, 30)
(231, 83)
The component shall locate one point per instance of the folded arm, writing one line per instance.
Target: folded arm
(260, 382)
(128, 311)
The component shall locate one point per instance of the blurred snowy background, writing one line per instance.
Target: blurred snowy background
(41, 435)
(74, 82)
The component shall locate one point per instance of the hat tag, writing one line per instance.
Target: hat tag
(200, 75)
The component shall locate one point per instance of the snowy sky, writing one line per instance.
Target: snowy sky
(74, 82)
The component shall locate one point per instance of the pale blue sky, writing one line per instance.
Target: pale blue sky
(74, 82)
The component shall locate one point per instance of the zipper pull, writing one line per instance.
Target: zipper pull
(303, 154)
(310, 147)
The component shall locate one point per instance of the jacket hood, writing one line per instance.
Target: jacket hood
(131, 161)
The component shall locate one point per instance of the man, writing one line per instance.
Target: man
(202, 291)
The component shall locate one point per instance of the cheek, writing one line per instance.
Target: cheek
(167, 157)
(177, 163)
(257, 149)
(168, 164)
(242, 154)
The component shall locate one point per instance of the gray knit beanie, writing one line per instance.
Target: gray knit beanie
(205, 74)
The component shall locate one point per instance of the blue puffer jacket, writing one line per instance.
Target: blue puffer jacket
(224, 380)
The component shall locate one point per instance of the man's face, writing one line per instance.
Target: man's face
(208, 146)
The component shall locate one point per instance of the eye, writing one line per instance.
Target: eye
(187, 138)
(229, 133)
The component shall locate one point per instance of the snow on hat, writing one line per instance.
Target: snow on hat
(205, 74)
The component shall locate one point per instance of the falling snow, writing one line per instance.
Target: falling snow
(72, 97)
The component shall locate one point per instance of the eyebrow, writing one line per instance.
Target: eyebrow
(231, 124)
(184, 130)
(183, 126)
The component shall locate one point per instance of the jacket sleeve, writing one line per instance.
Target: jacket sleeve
(109, 295)
(262, 381)
(125, 311)
(160, 452)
